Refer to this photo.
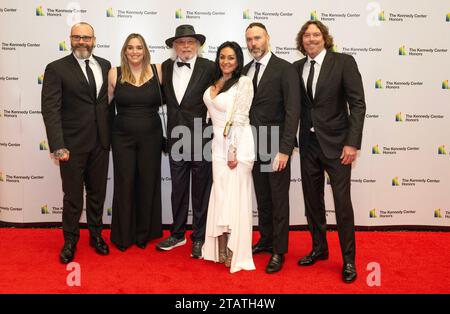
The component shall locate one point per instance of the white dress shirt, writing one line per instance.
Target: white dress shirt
(181, 77)
(96, 69)
(317, 66)
(264, 62)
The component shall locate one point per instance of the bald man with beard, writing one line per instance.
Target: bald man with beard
(77, 120)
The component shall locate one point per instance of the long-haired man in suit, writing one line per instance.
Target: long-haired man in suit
(185, 79)
(77, 120)
(331, 125)
(274, 114)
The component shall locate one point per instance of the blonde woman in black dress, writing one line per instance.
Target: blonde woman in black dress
(136, 144)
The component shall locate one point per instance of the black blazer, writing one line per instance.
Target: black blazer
(192, 105)
(336, 124)
(277, 103)
(72, 117)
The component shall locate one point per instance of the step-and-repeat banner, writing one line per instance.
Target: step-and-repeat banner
(402, 176)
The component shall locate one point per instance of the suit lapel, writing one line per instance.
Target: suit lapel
(325, 70)
(195, 77)
(104, 75)
(170, 80)
(303, 84)
(78, 72)
(246, 68)
(266, 73)
(301, 65)
(264, 78)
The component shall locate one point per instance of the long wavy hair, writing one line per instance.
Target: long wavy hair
(127, 75)
(237, 72)
(323, 29)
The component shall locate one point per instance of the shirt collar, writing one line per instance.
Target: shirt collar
(264, 60)
(82, 61)
(319, 58)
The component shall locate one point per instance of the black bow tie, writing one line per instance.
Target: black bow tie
(180, 64)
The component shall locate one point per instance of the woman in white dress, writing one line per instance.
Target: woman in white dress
(229, 222)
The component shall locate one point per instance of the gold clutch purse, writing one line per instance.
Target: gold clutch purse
(229, 124)
(227, 128)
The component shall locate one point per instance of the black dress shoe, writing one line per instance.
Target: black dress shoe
(261, 247)
(197, 249)
(141, 245)
(67, 253)
(275, 263)
(313, 257)
(349, 273)
(99, 245)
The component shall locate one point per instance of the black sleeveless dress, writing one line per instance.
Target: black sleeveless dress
(136, 146)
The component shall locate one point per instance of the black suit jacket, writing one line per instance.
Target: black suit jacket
(192, 105)
(336, 124)
(72, 117)
(277, 103)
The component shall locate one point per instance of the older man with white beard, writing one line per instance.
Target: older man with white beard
(77, 120)
(185, 79)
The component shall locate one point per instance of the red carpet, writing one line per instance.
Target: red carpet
(411, 262)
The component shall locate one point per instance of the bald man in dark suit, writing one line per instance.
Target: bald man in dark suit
(77, 119)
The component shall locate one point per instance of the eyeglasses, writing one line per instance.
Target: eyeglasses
(78, 38)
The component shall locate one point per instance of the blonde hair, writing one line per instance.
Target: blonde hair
(127, 75)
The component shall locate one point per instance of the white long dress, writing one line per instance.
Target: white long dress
(230, 203)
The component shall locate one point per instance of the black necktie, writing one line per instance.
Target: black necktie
(180, 64)
(310, 80)
(91, 79)
(255, 77)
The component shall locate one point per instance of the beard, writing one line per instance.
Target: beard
(186, 55)
(82, 52)
(257, 52)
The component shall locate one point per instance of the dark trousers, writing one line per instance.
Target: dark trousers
(313, 165)
(181, 172)
(136, 144)
(272, 196)
(89, 170)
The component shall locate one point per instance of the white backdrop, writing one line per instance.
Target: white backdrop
(402, 48)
